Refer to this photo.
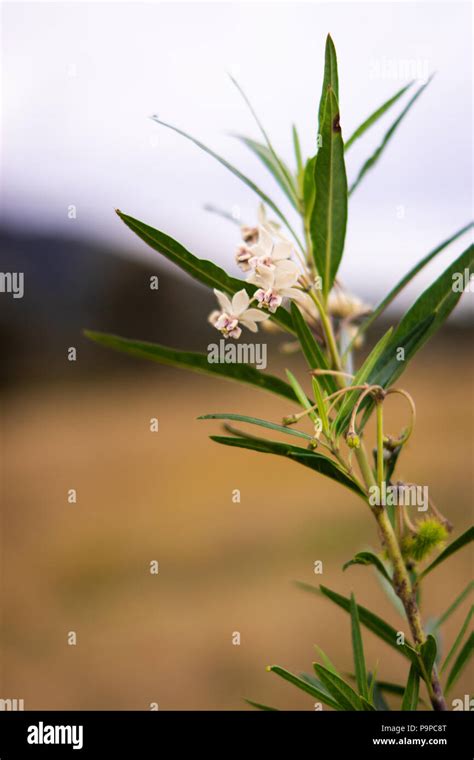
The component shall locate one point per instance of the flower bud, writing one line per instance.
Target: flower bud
(353, 440)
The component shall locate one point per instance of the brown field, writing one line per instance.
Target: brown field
(223, 567)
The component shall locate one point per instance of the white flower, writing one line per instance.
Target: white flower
(263, 251)
(269, 253)
(275, 283)
(235, 312)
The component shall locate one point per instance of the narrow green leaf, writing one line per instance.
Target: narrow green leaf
(391, 688)
(327, 662)
(274, 167)
(371, 679)
(257, 421)
(193, 361)
(200, 269)
(371, 621)
(387, 137)
(311, 350)
(297, 149)
(309, 688)
(461, 662)
(259, 706)
(314, 461)
(368, 558)
(236, 173)
(311, 679)
(410, 696)
(330, 77)
(378, 699)
(453, 547)
(404, 281)
(309, 190)
(278, 165)
(366, 705)
(340, 690)
(358, 651)
(422, 320)
(428, 651)
(321, 406)
(375, 116)
(301, 395)
(453, 607)
(361, 377)
(329, 216)
(458, 639)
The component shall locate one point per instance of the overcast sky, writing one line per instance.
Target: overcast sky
(81, 80)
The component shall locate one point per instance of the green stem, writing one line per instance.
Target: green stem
(401, 580)
(328, 332)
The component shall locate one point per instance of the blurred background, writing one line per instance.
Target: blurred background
(79, 82)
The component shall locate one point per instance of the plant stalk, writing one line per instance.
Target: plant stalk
(401, 581)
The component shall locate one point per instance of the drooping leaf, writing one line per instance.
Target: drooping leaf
(458, 639)
(200, 269)
(330, 77)
(313, 353)
(311, 459)
(358, 650)
(259, 706)
(264, 197)
(371, 621)
(387, 137)
(368, 558)
(329, 215)
(453, 607)
(280, 175)
(375, 116)
(404, 281)
(460, 663)
(259, 422)
(309, 688)
(410, 696)
(421, 321)
(340, 690)
(453, 547)
(193, 361)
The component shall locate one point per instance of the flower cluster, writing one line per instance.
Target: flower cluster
(266, 257)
